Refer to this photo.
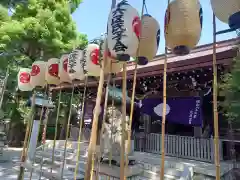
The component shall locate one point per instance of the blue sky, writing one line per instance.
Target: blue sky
(91, 18)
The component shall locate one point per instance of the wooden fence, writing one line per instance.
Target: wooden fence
(178, 146)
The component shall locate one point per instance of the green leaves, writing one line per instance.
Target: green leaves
(230, 89)
(40, 24)
(34, 26)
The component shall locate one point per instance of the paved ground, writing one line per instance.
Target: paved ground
(6, 168)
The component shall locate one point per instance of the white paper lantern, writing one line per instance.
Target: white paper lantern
(124, 27)
(38, 74)
(183, 25)
(24, 76)
(111, 65)
(52, 72)
(63, 69)
(227, 11)
(149, 40)
(76, 65)
(91, 56)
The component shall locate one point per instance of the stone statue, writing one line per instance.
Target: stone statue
(112, 134)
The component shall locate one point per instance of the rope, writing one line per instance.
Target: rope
(56, 128)
(133, 96)
(80, 127)
(44, 133)
(145, 6)
(39, 126)
(26, 138)
(66, 140)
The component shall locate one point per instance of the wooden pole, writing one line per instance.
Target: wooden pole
(133, 96)
(164, 109)
(26, 138)
(103, 122)
(123, 124)
(67, 133)
(56, 127)
(215, 110)
(44, 132)
(80, 127)
(93, 138)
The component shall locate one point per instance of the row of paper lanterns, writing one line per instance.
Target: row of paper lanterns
(70, 67)
(129, 37)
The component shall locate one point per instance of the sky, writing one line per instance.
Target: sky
(91, 19)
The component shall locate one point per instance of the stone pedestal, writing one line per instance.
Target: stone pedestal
(114, 171)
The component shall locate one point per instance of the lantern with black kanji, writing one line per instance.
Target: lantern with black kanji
(24, 76)
(111, 65)
(91, 58)
(63, 69)
(123, 32)
(227, 11)
(183, 25)
(52, 71)
(76, 65)
(149, 40)
(38, 74)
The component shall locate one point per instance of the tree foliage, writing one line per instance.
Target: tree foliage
(40, 25)
(230, 89)
(35, 28)
(72, 4)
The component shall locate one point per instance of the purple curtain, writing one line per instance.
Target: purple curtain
(180, 110)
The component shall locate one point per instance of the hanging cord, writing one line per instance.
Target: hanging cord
(44, 132)
(39, 127)
(103, 122)
(145, 6)
(215, 110)
(133, 95)
(67, 133)
(26, 138)
(80, 126)
(164, 105)
(56, 128)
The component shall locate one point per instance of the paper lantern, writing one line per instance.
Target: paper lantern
(183, 25)
(124, 27)
(111, 65)
(38, 74)
(24, 76)
(149, 40)
(91, 56)
(227, 11)
(52, 72)
(63, 69)
(76, 65)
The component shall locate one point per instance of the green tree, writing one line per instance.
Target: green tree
(35, 28)
(72, 4)
(230, 89)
